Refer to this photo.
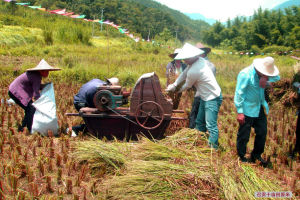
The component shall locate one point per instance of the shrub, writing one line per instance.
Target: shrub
(48, 37)
(275, 48)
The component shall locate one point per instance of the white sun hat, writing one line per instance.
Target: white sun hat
(113, 81)
(266, 66)
(43, 65)
(188, 51)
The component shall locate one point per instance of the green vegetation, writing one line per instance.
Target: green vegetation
(177, 167)
(137, 16)
(263, 29)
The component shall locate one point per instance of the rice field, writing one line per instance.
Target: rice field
(179, 166)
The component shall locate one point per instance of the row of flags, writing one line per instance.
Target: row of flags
(76, 16)
(252, 53)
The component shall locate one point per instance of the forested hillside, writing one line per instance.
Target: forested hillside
(263, 29)
(146, 17)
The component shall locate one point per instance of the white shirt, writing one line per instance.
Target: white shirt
(201, 76)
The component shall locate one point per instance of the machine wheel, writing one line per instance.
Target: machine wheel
(103, 99)
(143, 111)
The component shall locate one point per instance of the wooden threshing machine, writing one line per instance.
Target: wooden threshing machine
(149, 114)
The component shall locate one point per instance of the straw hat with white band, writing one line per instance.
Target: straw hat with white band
(43, 65)
(176, 51)
(206, 50)
(266, 66)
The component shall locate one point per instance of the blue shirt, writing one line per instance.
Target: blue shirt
(87, 92)
(249, 97)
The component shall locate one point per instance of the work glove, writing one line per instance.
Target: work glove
(241, 118)
(171, 88)
(263, 81)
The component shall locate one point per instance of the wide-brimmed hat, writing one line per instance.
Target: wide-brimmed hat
(43, 65)
(113, 81)
(266, 66)
(176, 51)
(206, 50)
(188, 51)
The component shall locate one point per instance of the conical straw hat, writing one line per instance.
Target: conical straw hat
(43, 65)
(188, 51)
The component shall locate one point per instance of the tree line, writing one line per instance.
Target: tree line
(265, 29)
(275, 30)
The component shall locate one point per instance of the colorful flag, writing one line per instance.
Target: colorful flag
(80, 17)
(74, 16)
(35, 7)
(59, 11)
(22, 4)
(68, 14)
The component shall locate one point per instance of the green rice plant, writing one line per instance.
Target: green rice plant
(48, 36)
(231, 188)
(99, 154)
(15, 36)
(155, 151)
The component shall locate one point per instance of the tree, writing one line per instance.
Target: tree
(165, 35)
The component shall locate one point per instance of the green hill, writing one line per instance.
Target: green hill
(139, 16)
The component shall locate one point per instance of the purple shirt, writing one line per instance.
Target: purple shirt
(26, 86)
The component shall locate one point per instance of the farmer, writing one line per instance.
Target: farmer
(199, 75)
(196, 102)
(252, 107)
(25, 89)
(85, 96)
(296, 84)
(173, 69)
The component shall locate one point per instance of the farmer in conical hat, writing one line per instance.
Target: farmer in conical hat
(173, 70)
(252, 107)
(26, 88)
(196, 102)
(199, 75)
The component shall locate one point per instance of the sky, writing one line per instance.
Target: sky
(220, 9)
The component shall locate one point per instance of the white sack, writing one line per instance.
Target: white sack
(45, 118)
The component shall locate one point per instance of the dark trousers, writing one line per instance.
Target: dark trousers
(29, 111)
(80, 127)
(260, 127)
(194, 112)
(297, 146)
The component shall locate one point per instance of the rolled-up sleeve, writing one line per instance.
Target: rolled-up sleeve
(240, 91)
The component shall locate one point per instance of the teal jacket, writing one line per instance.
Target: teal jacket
(249, 97)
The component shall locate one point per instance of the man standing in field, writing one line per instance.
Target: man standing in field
(252, 107)
(199, 75)
(196, 102)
